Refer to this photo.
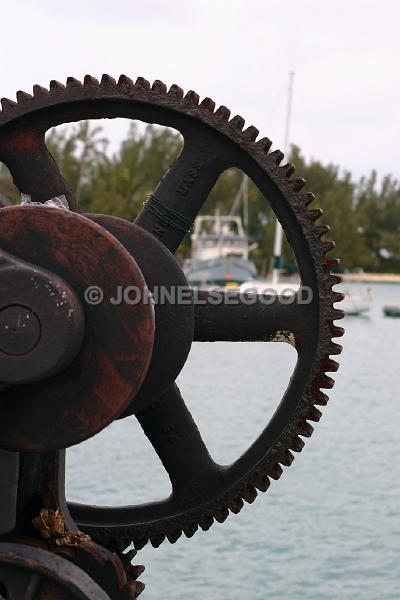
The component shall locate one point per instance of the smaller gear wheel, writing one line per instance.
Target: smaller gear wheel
(27, 572)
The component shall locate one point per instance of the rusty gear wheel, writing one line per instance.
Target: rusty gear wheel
(213, 141)
(28, 572)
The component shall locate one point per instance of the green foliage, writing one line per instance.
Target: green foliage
(120, 185)
(364, 215)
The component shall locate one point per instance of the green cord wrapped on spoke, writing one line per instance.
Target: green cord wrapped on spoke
(167, 215)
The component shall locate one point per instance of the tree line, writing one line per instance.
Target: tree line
(364, 213)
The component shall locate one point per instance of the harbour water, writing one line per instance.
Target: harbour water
(329, 529)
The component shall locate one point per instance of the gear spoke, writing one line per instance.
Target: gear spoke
(233, 317)
(33, 168)
(175, 437)
(169, 213)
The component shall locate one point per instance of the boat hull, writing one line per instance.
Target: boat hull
(391, 311)
(220, 271)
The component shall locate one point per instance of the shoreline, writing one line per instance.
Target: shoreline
(371, 277)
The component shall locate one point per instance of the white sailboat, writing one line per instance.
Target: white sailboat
(275, 285)
(356, 304)
(353, 304)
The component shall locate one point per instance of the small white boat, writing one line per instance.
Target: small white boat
(356, 304)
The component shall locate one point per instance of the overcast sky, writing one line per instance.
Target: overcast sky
(345, 54)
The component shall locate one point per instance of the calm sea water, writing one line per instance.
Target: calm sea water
(329, 528)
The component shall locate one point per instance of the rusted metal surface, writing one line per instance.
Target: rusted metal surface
(174, 321)
(118, 371)
(250, 317)
(113, 359)
(41, 322)
(42, 484)
(28, 573)
(9, 479)
(115, 574)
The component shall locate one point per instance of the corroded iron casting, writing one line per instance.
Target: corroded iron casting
(69, 367)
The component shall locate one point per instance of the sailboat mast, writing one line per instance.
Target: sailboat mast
(246, 210)
(286, 147)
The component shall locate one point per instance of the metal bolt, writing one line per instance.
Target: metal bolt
(19, 330)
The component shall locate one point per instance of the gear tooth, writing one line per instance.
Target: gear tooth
(321, 230)
(237, 122)
(223, 113)
(337, 296)
(159, 87)
(235, 505)
(129, 555)
(157, 540)
(264, 144)
(23, 97)
(251, 133)
(120, 544)
(335, 279)
(221, 514)
(139, 589)
(330, 365)
(138, 570)
(192, 97)
(72, 82)
(135, 571)
(208, 104)
(287, 170)
(321, 399)
(190, 530)
(142, 83)
(107, 81)
(337, 314)
(337, 331)
(125, 81)
(275, 471)
(328, 246)
(56, 85)
(174, 535)
(308, 198)
(90, 81)
(297, 444)
(7, 104)
(314, 214)
(335, 348)
(326, 382)
(331, 263)
(132, 589)
(276, 157)
(140, 543)
(38, 90)
(298, 184)
(286, 458)
(206, 521)
(175, 92)
(262, 482)
(314, 414)
(305, 429)
(250, 494)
